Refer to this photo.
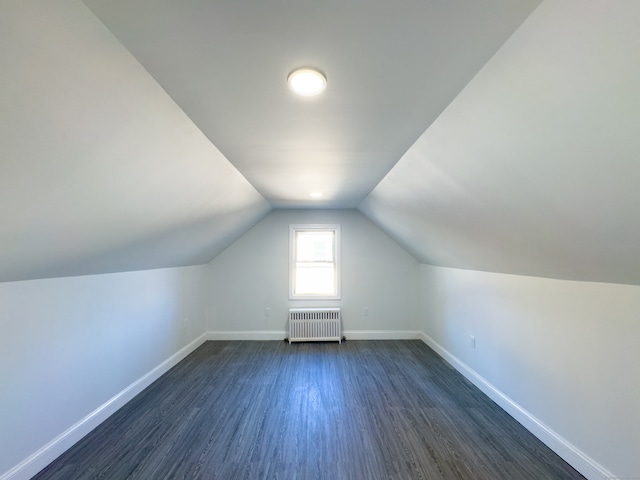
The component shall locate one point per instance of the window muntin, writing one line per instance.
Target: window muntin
(314, 262)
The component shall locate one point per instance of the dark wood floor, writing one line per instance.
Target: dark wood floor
(270, 410)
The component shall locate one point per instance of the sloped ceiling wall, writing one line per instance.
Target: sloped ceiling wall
(534, 168)
(392, 68)
(101, 171)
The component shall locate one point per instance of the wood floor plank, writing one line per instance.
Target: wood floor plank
(269, 410)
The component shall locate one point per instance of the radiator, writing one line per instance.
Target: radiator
(314, 324)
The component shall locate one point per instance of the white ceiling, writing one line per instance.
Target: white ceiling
(534, 168)
(392, 67)
(100, 171)
(144, 134)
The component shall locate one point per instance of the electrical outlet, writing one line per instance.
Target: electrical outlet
(267, 312)
(472, 341)
(365, 311)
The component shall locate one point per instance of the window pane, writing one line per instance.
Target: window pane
(314, 261)
(315, 279)
(314, 246)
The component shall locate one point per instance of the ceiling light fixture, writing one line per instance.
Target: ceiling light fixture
(307, 81)
(316, 194)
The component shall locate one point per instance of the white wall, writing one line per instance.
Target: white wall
(68, 345)
(564, 351)
(252, 274)
(561, 351)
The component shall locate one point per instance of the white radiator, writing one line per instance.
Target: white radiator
(314, 324)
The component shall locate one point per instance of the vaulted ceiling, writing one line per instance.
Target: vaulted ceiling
(392, 68)
(534, 168)
(499, 135)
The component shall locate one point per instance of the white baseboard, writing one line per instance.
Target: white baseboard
(569, 452)
(41, 458)
(349, 334)
(381, 334)
(248, 335)
(56, 447)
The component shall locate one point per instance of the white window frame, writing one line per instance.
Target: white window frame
(293, 229)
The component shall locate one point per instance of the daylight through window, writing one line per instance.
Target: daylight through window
(314, 264)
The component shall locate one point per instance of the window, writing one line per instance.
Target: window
(314, 265)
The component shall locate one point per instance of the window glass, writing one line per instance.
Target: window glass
(314, 261)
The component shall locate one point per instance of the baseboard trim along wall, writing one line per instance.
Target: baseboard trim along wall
(569, 452)
(381, 334)
(349, 334)
(56, 447)
(249, 335)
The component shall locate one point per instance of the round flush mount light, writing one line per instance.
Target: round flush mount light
(316, 194)
(307, 81)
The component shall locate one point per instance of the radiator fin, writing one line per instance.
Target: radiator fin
(314, 324)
